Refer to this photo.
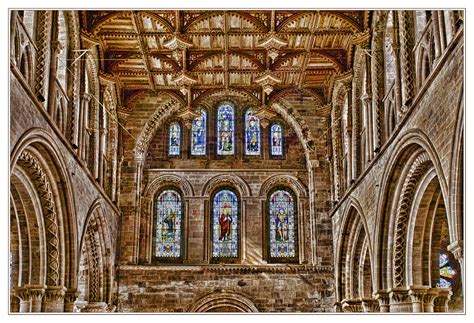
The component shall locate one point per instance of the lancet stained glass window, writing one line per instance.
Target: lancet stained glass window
(252, 134)
(276, 140)
(225, 130)
(225, 225)
(174, 139)
(282, 225)
(169, 212)
(198, 134)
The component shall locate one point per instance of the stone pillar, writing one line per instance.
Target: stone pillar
(442, 29)
(55, 48)
(352, 305)
(400, 300)
(417, 295)
(383, 297)
(437, 41)
(54, 299)
(25, 300)
(69, 299)
(370, 305)
(442, 300)
(95, 307)
(407, 59)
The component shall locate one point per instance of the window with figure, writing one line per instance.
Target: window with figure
(225, 225)
(252, 134)
(448, 270)
(198, 134)
(282, 226)
(225, 130)
(174, 140)
(168, 224)
(276, 140)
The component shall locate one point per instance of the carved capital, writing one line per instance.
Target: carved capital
(55, 294)
(370, 305)
(352, 305)
(457, 249)
(383, 297)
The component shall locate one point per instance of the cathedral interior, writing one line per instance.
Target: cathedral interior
(236, 161)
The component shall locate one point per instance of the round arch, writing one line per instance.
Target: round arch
(231, 302)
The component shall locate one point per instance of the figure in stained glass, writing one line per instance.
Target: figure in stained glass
(225, 130)
(174, 139)
(276, 140)
(198, 134)
(252, 134)
(168, 224)
(282, 225)
(225, 224)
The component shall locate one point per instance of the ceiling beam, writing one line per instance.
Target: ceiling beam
(143, 49)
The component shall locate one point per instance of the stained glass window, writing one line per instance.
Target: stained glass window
(276, 140)
(174, 139)
(225, 228)
(252, 134)
(447, 274)
(282, 225)
(198, 134)
(168, 224)
(225, 130)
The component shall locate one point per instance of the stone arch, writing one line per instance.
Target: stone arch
(225, 180)
(223, 301)
(95, 263)
(285, 180)
(50, 200)
(168, 179)
(354, 266)
(149, 129)
(413, 158)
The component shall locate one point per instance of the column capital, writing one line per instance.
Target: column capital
(352, 305)
(55, 293)
(370, 305)
(383, 297)
(417, 293)
(457, 249)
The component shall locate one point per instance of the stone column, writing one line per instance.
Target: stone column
(69, 299)
(407, 59)
(54, 299)
(383, 297)
(417, 295)
(442, 300)
(400, 300)
(437, 42)
(25, 300)
(55, 48)
(370, 305)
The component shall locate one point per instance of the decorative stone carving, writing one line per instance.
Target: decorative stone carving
(54, 299)
(383, 297)
(370, 305)
(268, 80)
(400, 300)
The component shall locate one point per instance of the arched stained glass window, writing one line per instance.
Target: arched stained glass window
(174, 139)
(225, 225)
(198, 134)
(276, 140)
(282, 226)
(168, 224)
(252, 134)
(225, 130)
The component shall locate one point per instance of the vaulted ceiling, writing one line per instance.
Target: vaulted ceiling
(255, 51)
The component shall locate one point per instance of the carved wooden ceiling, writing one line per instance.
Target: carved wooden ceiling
(192, 51)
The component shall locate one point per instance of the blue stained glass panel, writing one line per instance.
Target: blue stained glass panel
(276, 140)
(252, 134)
(225, 130)
(174, 139)
(168, 224)
(198, 134)
(282, 225)
(225, 225)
